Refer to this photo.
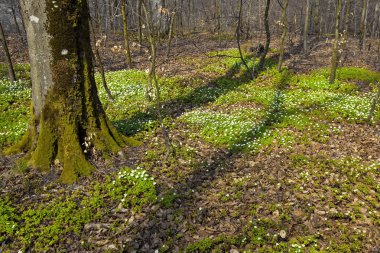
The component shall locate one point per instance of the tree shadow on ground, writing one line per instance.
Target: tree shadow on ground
(151, 232)
(198, 97)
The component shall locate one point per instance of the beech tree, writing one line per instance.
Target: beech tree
(68, 123)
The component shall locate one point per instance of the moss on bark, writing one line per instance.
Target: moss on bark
(72, 118)
(46, 149)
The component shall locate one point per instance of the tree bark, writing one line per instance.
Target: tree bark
(363, 25)
(109, 13)
(335, 53)
(126, 35)
(317, 19)
(139, 12)
(376, 22)
(238, 28)
(306, 26)
(15, 21)
(153, 32)
(99, 60)
(171, 33)
(345, 32)
(218, 19)
(267, 42)
(284, 8)
(69, 124)
(11, 71)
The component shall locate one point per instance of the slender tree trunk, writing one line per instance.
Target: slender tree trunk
(69, 124)
(152, 77)
(139, 12)
(335, 53)
(238, 28)
(17, 5)
(249, 19)
(110, 16)
(327, 17)
(99, 60)
(376, 21)
(317, 19)
(15, 21)
(11, 71)
(218, 16)
(267, 42)
(96, 17)
(378, 56)
(306, 26)
(345, 32)
(180, 19)
(284, 8)
(355, 21)
(260, 20)
(115, 15)
(171, 33)
(189, 14)
(363, 24)
(126, 35)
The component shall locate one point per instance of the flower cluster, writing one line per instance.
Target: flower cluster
(14, 105)
(133, 188)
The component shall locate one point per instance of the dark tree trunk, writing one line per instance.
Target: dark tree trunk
(267, 42)
(15, 21)
(4, 44)
(238, 28)
(99, 61)
(69, 123)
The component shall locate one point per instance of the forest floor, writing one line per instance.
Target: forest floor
(283, 163)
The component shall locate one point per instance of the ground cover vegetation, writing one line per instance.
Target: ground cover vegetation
(286, 162)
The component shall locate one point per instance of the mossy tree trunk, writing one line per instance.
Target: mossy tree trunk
(69, 123)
